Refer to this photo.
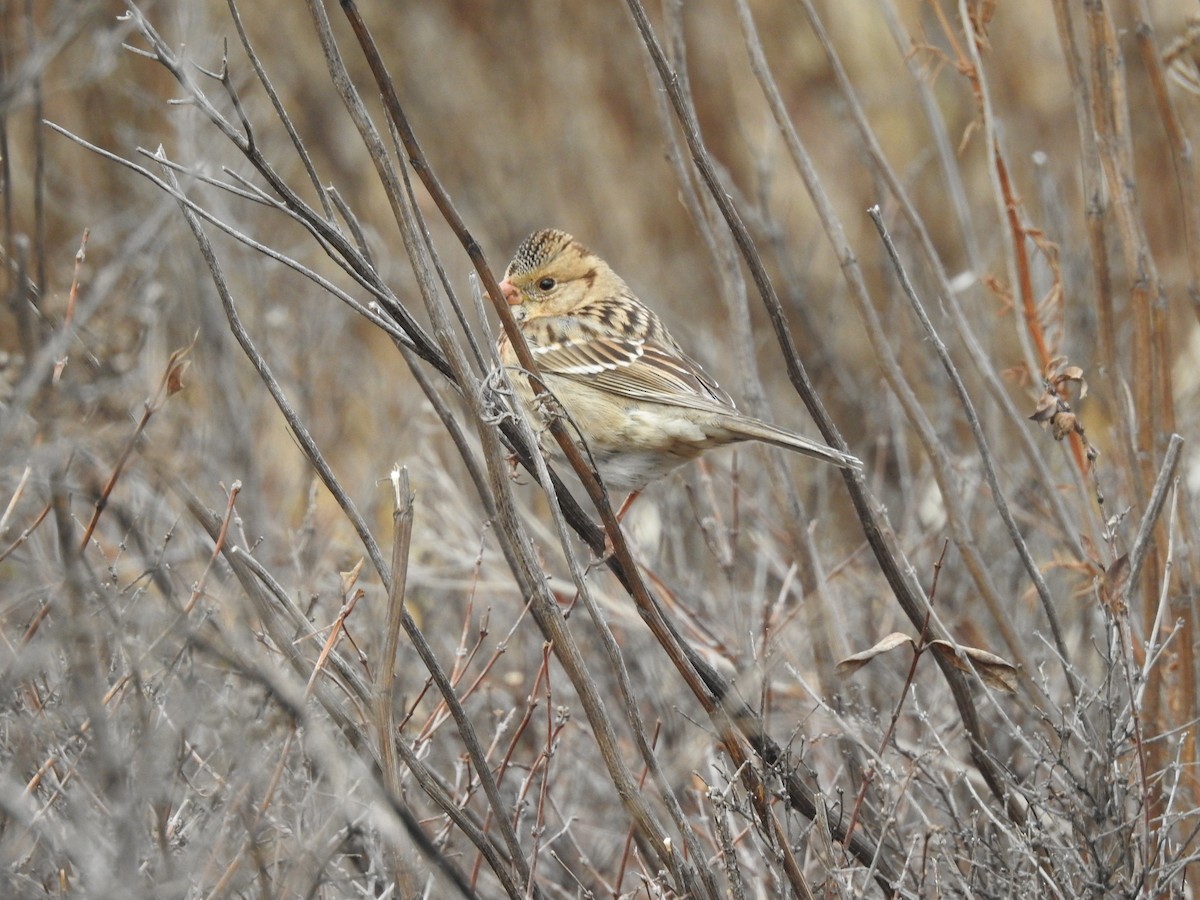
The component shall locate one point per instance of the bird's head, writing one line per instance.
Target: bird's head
(552, 274)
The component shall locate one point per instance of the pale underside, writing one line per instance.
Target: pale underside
(646, 406)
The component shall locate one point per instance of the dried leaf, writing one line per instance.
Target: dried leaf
(1058, 375)
(1072, 374)
(994, 671)
(1063, 424)
(856, 661)
(172, 380)
(175, 376)
(1053, 366)
(1046, 407)
(1183, 59)
(1114, 583)
(349, 579)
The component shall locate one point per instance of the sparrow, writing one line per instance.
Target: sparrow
(640, 405)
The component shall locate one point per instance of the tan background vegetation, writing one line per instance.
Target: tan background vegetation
(148, 743)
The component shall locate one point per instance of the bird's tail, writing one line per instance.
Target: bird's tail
(754, 429)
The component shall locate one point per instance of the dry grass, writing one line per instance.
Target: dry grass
(278, 617)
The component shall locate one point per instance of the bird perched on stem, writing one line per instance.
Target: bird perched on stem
(642, 406)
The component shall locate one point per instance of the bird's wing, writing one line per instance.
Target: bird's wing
(640, 361)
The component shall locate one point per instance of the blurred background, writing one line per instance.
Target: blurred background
(550, 114)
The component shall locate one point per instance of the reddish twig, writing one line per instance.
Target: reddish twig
(69, 317)
(234, 489)
(628, 848)
(24, 535)
(171, 383)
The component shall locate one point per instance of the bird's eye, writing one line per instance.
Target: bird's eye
(546, 284)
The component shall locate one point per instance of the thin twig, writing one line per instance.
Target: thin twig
(1141, 542)
(234, 489)
(402, 524)
(170, 383)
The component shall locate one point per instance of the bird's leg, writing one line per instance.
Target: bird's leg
(633, 495)
(514, 466)
(608, 544)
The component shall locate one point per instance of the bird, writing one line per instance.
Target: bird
(641, 405)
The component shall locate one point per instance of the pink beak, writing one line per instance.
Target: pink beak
(511, 294)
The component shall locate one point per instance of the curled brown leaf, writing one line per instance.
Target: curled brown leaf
(996, 672)
(1113, 584)
(856, 661)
